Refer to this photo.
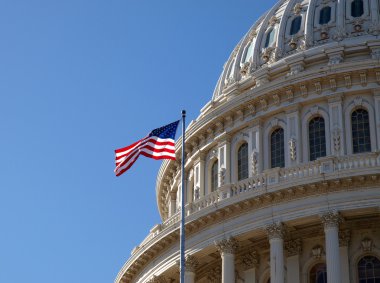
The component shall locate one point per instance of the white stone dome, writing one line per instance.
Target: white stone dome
(282, 166)
(294, 29)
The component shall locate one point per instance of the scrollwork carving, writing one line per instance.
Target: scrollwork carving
(250, 260)
(293, 247)
(336, 138)
(191, 263)
(344, 238)
(254, 162)
(292, 149)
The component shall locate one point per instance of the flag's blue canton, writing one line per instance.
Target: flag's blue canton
(166, 132)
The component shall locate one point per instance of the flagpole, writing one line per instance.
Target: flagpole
(182, 228)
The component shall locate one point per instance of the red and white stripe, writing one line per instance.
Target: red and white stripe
(152, 147)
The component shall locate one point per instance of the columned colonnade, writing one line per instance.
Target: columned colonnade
(336, 257)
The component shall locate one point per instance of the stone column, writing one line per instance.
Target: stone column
(191, 264)
(344, 240)
(331, 222)
(250, 263)
(293, 249)
(276, 239)
(227, 248)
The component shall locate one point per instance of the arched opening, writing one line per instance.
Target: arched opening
(270, 38)
(318, 273)
(242, 157)
(214, 176)
(324, 15)
(369, 269)
(296, 25)
(361, 139)
(357, 8)
(277, 148)
(249, 52)
(317, 138)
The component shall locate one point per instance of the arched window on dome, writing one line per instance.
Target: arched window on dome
(270, 38)
(324, 15)
(296, 25)
(214, 176)
(317, 138)
(243, 162)
(277, 150)
(357, 8)
(361, 139)
(369, 270)
(318, 273)
(249, 51)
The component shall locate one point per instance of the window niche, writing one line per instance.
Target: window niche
(317, 138)
(277, 149)
(242, 157)
(295, 26)
(325, 15)
(361, 138)
(357, 8)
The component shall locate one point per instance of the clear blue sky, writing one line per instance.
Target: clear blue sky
(79, 78)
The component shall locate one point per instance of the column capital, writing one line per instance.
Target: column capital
(250, 260)
(191, 263)
(293, 247)
(214, 275)
(331, 219)
(275, 230)
(227, 246)
(173, 195)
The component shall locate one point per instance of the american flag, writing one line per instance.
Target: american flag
(158, 144)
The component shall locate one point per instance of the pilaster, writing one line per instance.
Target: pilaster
(293, 138)
(224, 154)
(374, 6)
(250, 262)
(344, 240)
(172, 203)
(293, 249)
(255, 151)
(340, 14)
(336, 126)
(191, 264)
(199, 176)
(377, 111)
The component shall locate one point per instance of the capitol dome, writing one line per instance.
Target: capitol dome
(283, 164)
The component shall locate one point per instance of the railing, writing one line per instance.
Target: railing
(326, 166)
